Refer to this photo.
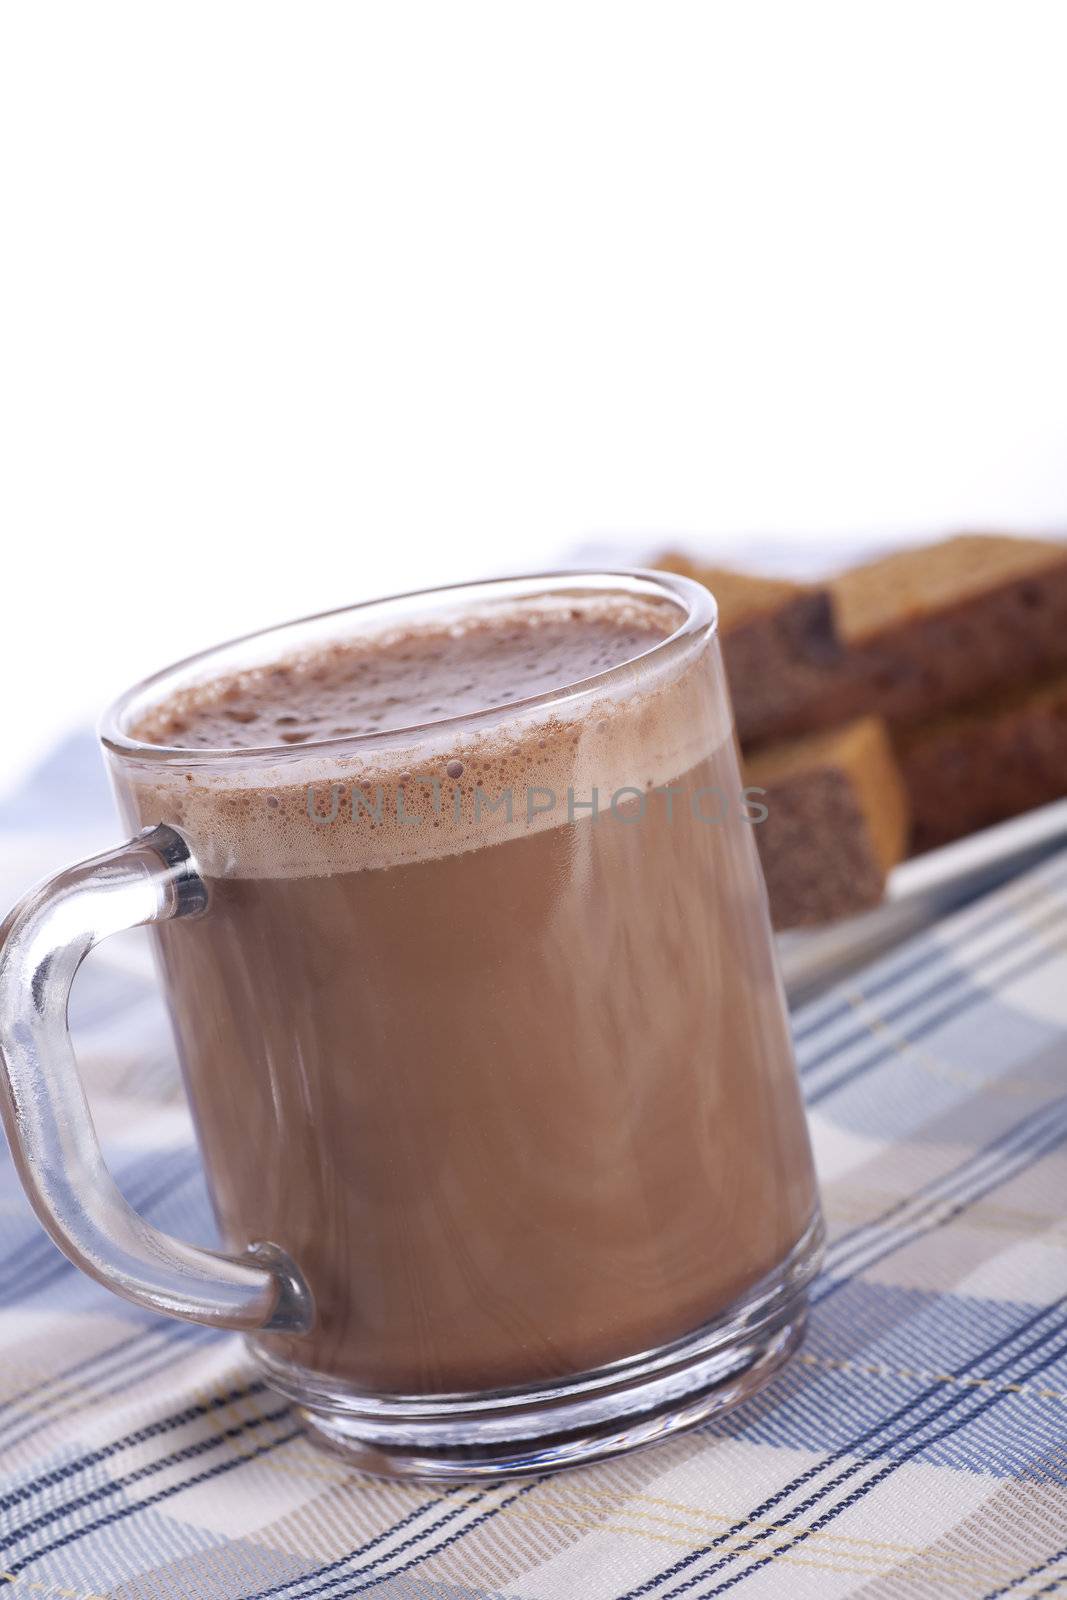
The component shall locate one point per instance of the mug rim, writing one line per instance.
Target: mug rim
(700, 616)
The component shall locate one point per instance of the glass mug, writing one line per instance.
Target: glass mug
(483, 1035)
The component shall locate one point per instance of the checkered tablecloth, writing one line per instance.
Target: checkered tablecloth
(917, 1446)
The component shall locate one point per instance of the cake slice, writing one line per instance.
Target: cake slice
(907, 637)
(780, 646)
(837, 821)
(980, 766)
(930, 628)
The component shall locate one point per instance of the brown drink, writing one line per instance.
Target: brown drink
(515, 1092)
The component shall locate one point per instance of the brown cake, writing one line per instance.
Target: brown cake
(971, 769)
(907, 637)
(779, 643)
(958, 648)
(930, 628)
(837, 820)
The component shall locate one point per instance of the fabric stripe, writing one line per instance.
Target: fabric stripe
(978, 1176)
(89, 1497)
(949, 1013)
(120, 1383)
(1035, 1572)
(335, 1567)
(444, 1544)
(138, 1354)
(122, 1512)
(905, 1414)
(953, 978)
(856, 1443)
(92, 1458)
(930, 950)
(982, 1405)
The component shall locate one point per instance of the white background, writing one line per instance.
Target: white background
(303, 303)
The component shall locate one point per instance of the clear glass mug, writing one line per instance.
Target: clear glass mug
(496, 1097)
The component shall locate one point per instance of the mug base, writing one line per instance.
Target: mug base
(571, 1421)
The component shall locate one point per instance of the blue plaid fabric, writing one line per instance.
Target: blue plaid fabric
(916, 1447)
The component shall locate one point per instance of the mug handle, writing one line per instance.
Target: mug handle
(50, 1127)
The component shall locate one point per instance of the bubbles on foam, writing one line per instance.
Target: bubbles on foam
(371, 684)
(265, 817)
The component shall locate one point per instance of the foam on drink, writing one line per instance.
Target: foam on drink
(351, 755)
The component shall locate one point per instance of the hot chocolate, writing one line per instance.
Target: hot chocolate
(482, 1024)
